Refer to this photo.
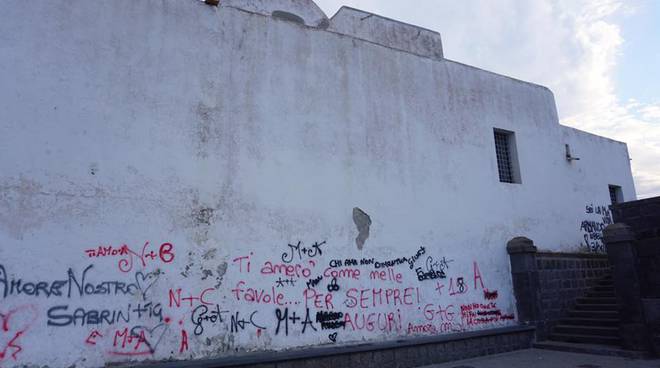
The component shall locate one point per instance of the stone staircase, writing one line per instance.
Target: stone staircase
(593, 320)
(591, 326)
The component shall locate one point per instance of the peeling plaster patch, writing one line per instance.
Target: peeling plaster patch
(186, 273)
(203, 131)
(200, 220)
(362, 222)
(206, 274)
(209, 254)
(25, 204)
(222, 269)
(203, 216)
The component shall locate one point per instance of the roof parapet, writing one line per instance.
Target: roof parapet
(387, 32)
(290, 10)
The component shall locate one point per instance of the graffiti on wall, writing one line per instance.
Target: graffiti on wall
(125, 302)
(598, 217)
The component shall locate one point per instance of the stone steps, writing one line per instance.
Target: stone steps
(594, 319)
(591, 321)
(596, 307)
(586, 339)
(608, 314)
(604, 331)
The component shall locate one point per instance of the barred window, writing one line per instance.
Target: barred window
(507, 160)
(615, 194)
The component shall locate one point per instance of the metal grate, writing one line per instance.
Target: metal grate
(503, 157)
(613, 194)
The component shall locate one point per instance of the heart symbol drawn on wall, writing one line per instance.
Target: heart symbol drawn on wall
(13, 325)
(150, 334)
(333, 337)
(141, 281)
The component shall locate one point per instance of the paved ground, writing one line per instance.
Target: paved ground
(537, 358)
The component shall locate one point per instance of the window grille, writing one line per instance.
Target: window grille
(615, 194)
(503, 151)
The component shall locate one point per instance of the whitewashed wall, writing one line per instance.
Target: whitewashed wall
(188, 141)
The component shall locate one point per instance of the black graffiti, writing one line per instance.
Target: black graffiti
(332, 286)
(439, 265)
(330, 320)
(593, 230)
(351, 262)
(283, 317)
(144, 282)
(460, 283)
(280, 282)
(592, 226)
(72, 285)
(434, 269)
(402, 260)
(313, 282)
(202, 313)
(599, 210)
(311, 252)
(59, 316)
(429, 275)
(237, 323)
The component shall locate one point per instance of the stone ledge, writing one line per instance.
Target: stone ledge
(271, 357)
(549, 254)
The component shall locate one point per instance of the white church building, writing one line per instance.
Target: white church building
(183, 181)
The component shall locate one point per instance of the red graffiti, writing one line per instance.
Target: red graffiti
(477, 276)
(428, 328)
(240, 262)
(288, 270)
(386, 275)
(438, 287)
(490, 295)
(15, 324)
(478, 314)
(91, 339)
(431, 312)
(184, 341)
(107, 251)
(342, 273)
(386, 322)
(165, 254)
(318, 300)
(175, 297)
(457, 288)
(258, 295)
(128, 343)
(366, 298)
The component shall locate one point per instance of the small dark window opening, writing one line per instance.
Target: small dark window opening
(289, 17)
(616, 196)
(507, 156)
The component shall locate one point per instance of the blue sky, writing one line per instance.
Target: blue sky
(638, 74)
(601, 58)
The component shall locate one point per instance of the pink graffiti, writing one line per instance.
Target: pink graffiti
(14, 324)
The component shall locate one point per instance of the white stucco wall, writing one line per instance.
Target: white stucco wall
(215, 134)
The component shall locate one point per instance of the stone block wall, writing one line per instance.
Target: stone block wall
(643, 216)
(636, 233)
(547, 284)
(564, 277)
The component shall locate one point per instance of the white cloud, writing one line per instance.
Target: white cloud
(571, 46)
